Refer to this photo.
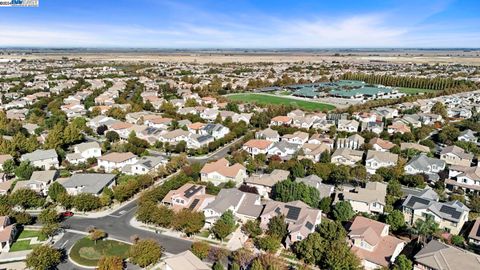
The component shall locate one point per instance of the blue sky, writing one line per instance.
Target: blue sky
(243, 24)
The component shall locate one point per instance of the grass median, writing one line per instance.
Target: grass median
(86, 252)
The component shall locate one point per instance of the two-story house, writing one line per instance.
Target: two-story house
(84, 151)
(378, 159)
(220, 171)
(190, 196)
(455, 155)
(44, 159)
(370, 199)
(115, 160)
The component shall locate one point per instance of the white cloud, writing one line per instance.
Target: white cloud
(367, 30)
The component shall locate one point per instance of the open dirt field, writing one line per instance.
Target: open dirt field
(432, 57)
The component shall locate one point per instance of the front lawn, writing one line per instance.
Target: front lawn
(30, 234)
(87, 253)
(22, 245)
(414, 91)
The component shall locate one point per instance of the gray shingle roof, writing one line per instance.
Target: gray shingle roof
(40, 155)
(92, 183)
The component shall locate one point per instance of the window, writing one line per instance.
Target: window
(299, 237)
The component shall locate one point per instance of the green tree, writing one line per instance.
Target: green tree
(277, 227)
(457, 240)
(325, 204)
(343, 211)
(72, 134)
(145, 252)
(439, 108)
(43, 257)
(287, 191)
(86, 202)
(396, 220)
(112, 136)
(26, 198)
(331, 230)
(218, 266)
(339, 257)
(359, 173)
(268, 243)
(224, 225)
(9, 166)
(425, 228)
(252, 228)
(402, 263)
(310, 249)
(189, 222)
(49, 216)
(55, 190)
(22, 218)
(110, 263)
(339, 175)
(50, 229)
(256, 265)
(96, 234)
(24, 170)
(448, 134)
(200, 249)
(55, 137)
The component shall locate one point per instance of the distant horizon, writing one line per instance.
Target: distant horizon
(268, 24)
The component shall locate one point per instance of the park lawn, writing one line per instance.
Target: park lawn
(22, 245)
(269, 99)
(414, 91)
(87, 253)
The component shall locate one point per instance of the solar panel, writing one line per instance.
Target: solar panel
(194, 203)
(277, 210)
(191, 191)
(293, 212)
(309, 225)
(414, 200)
(450, 211)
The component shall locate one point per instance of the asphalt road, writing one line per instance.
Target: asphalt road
(117, 225)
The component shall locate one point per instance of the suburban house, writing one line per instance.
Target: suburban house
(450, 215)
(245, 206)
(92, 183)
(415, 146)
(145, 165)
(268, 134)
(440, 256)
(371, 242)
(217, 131)
(183, 261)
(321, 139)
(84, 151)
(283, 149)
(346, 156)
(265, 182)
(370, 199)
(300, 218)
(196, 141)
(7, 233)
(313, 180)
(353, 142)
(467, 136)
(424, 164)
(5, 186)
(378, 159)
(375, 127)
(298, 137)
(115, 160)
(462, 177)
(44, 159)
(455, 155)
(174, 136)
(220, 171)
(280, 121)
(398, 127)
(191, 196)
(255, 147)
(313, 151)
(379, 144)
(474, 235)
(348, 125)
(38, 182)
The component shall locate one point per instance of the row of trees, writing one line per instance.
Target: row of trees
(404, 81)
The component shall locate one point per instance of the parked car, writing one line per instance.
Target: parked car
(66, 214)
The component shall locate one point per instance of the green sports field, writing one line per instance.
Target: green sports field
(269, 99)
(414, 91)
